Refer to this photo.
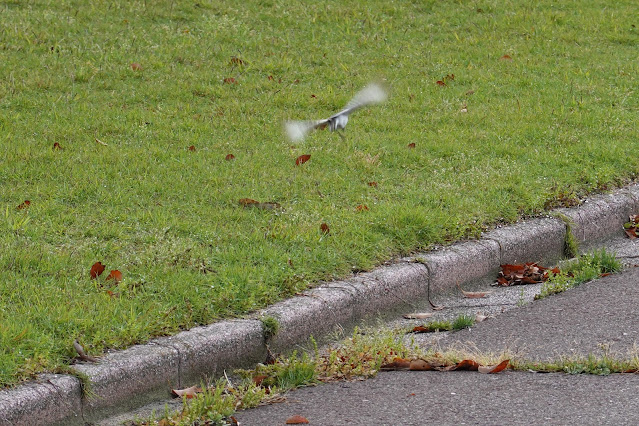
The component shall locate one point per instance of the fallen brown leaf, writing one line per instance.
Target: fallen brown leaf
(479, 317)
(494, 368)
(324, 228)
(396, 364)
(419, 315)
(420, 365)
(259, 379)
(467, 364)
(115, 275)
(25, 204)
(96, 270)
(229, 157)
(296, 420)
(187, 392)
(302, 159)
(473, 294)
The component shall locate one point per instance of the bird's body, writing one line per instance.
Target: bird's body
(371, 94)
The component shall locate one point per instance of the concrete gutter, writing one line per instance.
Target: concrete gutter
(122, 381)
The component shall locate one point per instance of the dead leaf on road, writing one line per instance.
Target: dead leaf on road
(296, 420)
(467, 364)
(473, 294)
(494, 368)
(479, 317)
(419, 315)
(397, 364)
(420, 365)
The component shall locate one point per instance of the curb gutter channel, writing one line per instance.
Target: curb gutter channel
(128, 379)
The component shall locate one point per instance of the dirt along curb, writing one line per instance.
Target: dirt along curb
(125, 380)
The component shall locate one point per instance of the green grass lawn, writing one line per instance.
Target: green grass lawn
(555, 121)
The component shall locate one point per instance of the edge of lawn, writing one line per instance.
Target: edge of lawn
(124, 380)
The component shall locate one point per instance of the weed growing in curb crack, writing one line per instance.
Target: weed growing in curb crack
(270, 327)
(571, 245)
(586, 268)
(463, 321)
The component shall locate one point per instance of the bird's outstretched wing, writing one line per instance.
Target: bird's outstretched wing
(369, 95)
(297, 130)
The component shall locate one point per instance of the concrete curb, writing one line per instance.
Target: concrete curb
(128, 379)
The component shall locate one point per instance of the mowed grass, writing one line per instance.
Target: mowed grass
(555, 121)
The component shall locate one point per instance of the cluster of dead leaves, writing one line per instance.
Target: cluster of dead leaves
(631, 227)
(526, 273)
(115, 276)
(447, 78)
(24, 205)
(404, 364)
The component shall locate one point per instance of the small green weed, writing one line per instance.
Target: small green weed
(591, 364)
(440, 325)
(270, 327)
(463, 321)
(571, 245)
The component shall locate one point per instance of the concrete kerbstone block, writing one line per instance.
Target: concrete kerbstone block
(51, 399)
(129, 379)
(209, 350)
(535, 240)
(461, 263)
(601, 217)
(341, 303)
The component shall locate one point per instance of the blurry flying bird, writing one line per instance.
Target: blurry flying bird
(371, 94)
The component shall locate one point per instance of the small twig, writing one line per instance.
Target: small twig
(80, 350)
(100, 142)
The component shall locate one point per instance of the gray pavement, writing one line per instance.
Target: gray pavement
(457, 398)
(598, 317)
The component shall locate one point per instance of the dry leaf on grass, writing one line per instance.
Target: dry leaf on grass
(302, 159)
(96, 270)
(115, 275)
(25, 204)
